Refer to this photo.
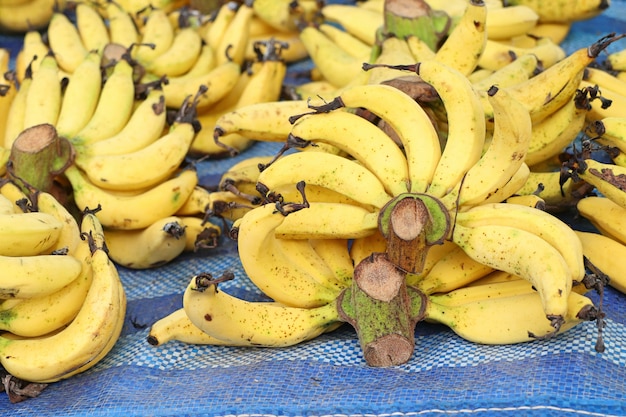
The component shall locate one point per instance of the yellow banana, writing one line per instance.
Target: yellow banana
(17, 112)
(453, 270)
(521, 69)
(52, 358)
(157, 36)
(605, 215)
(555, 31)
(33, 276)
(326, 170)
(617, 60)
(258, 323)
(501, 288)
(558, 11)
(180, 56)
(8, 91)
(350, 43)
(504, 155)
(525, 254)
(225, 13)
(114, 108)
(245, 173)
(393, 51)
(528, 200)
(361, 139)
(261, 256)
(31, 15)
(548, 227)
(606, 254)
(605, 178)
(336, 255)
(465, 43)
(144, 127)
(145, 167)
(65, 42)
(505, 320)
(33, 49)
(92, 28)
(604, 80)
(176, 326)
(406, 117)
(599, 110)
(157, 244)
(234, 41)
(199, 233)
(508, 22)
(69, 236)
(358, 21)
(43, 101)
(466, 124)
(556, 132)
(27, 234)
(285, 15)
(80, 97)
(130, 211)
(122, 28)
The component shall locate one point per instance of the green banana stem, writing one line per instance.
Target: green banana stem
(383, 311)
(415, 18)
(38, 155)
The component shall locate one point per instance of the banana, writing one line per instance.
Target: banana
(548, 227)
(606, 178)
(511, 21)
(552, 88)
(8, 91)
(43, 101)
(419, 49)
(80, 97)
(180, 56)
(31, 15)
(363, 247)
(157, 36)
(348, 42)
(556, 132)
(453, 270)
(234, 41)
(144, 127)
(503, 157)
(525, 254)
(293, 51)
(245, 173)
(335, 253)
(604, 80)
(156, 245)
(611, 131)
(505, 320)
(406, 117)
(501, 288)
(264, 84)
(262, 121)
(393, 51)
(466, 124)
(547, 185)
(129, 211)
(217, 83)
(143, 168)
(361, 139)
(528, 200)
(122, 28)
(33, 49)
(65, 41)
(52, 358)
(564, 11)
(326, 170)
(224, 15)
(41, 315)
(257, 323)
(498, 54)
(605, 215)
(28, 234)
(466, 41)
(599, 109)
(358, 21)
(617, 60)
(92, 29)
(206, 61)
(176, 326)
(12, 192)
(114, 108)
(69, 235)
(6, 205)
(519, 70)
(199, 233)
(334, 63)
(17, 112)
(512, 187)
(323, 220)
(262, 254)
(606, 254)
(39, 275)
(555, 31)
(285, 15)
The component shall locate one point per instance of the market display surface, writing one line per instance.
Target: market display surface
(293, 232)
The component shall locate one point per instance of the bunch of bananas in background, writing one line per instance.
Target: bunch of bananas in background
(62, 304)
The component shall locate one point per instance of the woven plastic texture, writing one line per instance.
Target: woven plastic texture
(446, 375)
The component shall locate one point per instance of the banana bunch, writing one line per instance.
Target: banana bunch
(23, 15)
(62, 304)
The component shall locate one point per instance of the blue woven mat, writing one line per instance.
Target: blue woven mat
(327, 376)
